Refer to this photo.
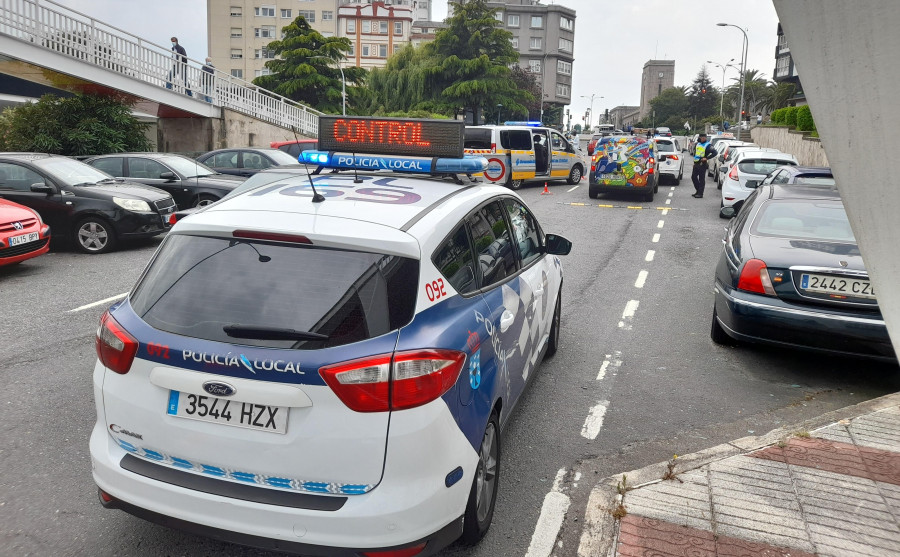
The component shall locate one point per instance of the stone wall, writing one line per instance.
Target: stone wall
(199, 135)
(808, 150)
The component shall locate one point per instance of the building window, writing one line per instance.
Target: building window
(352, 49)
(365, 50)
(398, 28)
(367, 26)
(537, 21)
(264, 53)
(351, 26)
(264, 32)
(237, 73)
(536, 43)
(565, 44)
(512, 20)
(236, 54)
(237, 32)
(564, 67)
(534, 66)
(265, 11)
(782, 66)
(499, 16)
(515, 42)
(382, 51)
(563, 90)
(327, 15)
(567, 24)
(309, 15)
(286, 14)
(396, 48)
(383, 27)
(237, 11)
(264, 71)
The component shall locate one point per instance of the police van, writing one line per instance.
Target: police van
(342, 387)
(521, 152)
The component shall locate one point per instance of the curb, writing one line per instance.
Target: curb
(600, 531)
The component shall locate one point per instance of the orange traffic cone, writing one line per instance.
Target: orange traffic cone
(546, 191)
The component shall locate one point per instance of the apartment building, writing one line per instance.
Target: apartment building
(786, 70)
(240, 30)
(376, 30)
(421, 9)
(544, 36)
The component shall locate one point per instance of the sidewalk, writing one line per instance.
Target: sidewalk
(831, 490)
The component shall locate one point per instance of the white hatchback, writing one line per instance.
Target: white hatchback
(669, 159)
(748, 171)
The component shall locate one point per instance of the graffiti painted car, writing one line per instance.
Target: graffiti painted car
(624, 164)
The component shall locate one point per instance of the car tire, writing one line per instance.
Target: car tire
(717, 333)
(553, 342)
(649, 196)
(94, 235)
(575, 175)
(204, 199)
(593, 194)
(483, 495)
(514, 184)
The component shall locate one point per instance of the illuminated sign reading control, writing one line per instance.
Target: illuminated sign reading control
(391, 136)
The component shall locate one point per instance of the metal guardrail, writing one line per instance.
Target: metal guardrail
(52, 26)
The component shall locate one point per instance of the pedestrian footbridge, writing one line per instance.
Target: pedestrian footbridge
(47, 43)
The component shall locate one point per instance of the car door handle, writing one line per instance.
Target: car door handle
(506, 320)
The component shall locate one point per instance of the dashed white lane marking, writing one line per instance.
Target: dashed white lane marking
(100, 303)
(573, 189)
(641, 279)
(655, 238)
(668, 201)
(594, 420)
(553, 512)
(628, 314)
(672, 188)
(614, 360)
(660, 224)
(671, 194)
(665, 212)
(650, 255)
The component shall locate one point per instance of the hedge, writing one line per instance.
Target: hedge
(790, 116)
(778, 116)
(805, 121)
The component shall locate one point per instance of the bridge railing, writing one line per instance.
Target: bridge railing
(55, 27)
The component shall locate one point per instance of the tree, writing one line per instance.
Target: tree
(405, 84)
(473, 57)
(306, 67)
(73, 126)
(671, 102)
(704, 99)
(525, 80)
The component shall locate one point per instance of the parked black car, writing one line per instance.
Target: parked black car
(81, 203)
(189, 182)
(791, 275)
(245, 161)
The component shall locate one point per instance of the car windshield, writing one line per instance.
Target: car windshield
(348, 296)
(761, 166)
(71, 172)
(815, 180)
(814, 219)
(280, 157)
(185, 166)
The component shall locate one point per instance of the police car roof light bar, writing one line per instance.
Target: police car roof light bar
(530, 124)
(468, 164)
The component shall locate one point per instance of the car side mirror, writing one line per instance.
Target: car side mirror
(557, 245)
(727, 212)
(41, 187)
(167, 176)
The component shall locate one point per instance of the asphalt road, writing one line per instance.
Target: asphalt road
(651, 381)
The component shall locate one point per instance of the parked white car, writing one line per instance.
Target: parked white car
(715, 163)
(668, 158)
(748, 171)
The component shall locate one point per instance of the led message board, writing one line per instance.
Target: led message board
(391, 136)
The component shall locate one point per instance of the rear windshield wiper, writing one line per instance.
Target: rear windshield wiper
(270, 333)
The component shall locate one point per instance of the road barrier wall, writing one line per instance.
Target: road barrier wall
(808, 150)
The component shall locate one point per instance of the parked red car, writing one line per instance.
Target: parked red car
(295, 147)
(23, 234)
(593, 143)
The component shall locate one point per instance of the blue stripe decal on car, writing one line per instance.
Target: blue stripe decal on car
(292, 484)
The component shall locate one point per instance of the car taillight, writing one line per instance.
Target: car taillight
(755, 278)
(116, 348)
(673, 157)
(651, 165)
(378, 384)
(733, 174)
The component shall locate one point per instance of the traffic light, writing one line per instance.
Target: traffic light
(703, 91)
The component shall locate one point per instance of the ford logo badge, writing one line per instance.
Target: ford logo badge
(217, 388)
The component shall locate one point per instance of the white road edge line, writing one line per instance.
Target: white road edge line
(553, 512)
(100, 303)
(642, 278)
(594, 420)
(655, 238)
(573, 189)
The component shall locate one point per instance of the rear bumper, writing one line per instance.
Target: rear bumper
(754, 318)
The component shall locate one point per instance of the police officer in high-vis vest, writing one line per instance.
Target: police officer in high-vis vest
(702, 152)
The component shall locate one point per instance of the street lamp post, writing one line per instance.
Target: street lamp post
(590, 127)
(743, 70)
(343, 84)
(722, 96)
(499, 108)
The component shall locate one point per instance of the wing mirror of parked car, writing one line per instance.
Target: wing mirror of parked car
(41, 187)
(727, 213)
(170, 176)
(557, 245)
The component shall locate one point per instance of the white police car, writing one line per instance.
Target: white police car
(330, 377)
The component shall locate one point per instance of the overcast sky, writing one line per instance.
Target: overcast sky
(613, 39)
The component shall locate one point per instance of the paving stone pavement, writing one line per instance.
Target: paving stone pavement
(833, 491)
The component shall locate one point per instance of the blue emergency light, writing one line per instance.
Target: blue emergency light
(469, 164)
(530, 124)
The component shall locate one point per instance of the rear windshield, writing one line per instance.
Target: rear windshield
(476, 138)
(815, 180)
(761, 166)
(666, 146)
(197, 285)
(816, 219)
